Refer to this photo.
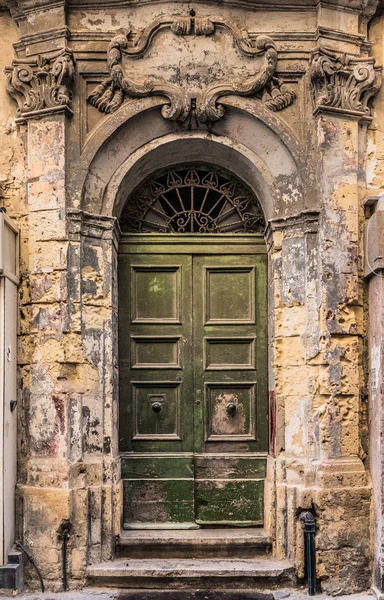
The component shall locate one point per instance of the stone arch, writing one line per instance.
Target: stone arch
(136, 141)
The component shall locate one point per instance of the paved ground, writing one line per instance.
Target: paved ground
(98, 594)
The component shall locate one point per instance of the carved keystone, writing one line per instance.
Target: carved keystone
(342, 83)
(41, 84)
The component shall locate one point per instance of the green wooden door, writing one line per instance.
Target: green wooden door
(193, 373)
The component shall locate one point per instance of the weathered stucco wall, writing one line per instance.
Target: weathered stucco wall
(308, 169)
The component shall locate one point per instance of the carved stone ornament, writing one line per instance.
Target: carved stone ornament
(41, 83)
(230, 63)
(344, 83)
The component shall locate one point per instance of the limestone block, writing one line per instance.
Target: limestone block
(339, 378)
(290, 321)
(46, 195)
(289, 351)
(46, 143)
(78, 378)
(48, 225)
(73, 348)
(46, 318)
(296, 381)
(43, 512)
(48, 287)
(48, 256)
(47, 472)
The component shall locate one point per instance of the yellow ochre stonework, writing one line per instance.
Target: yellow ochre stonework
(97, 98)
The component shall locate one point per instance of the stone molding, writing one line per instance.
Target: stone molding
(342, 83)
(41, 85)
(305, 222)
(262, 82)
(82, 223)
(21, 8)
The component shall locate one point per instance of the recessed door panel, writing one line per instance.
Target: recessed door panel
(160, 352)
(230, 294)
(230, 411)
(156, 410)
(156, 293)
(230, 353)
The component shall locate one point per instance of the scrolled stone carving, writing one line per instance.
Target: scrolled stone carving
(344, 83)
(41, 83)
(189, 94)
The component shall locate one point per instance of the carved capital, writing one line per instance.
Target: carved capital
(342, 83)
(193, 96)
(41, 84)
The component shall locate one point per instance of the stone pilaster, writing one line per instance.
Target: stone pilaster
(341, 493)
(294, 318)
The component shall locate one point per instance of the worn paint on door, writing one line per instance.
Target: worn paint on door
(193, 397)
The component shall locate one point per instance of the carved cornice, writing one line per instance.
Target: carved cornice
(342, 83)
(203, 104)
(41, 84)
(21, 8)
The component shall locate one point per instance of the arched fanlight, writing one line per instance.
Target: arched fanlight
(193, 199)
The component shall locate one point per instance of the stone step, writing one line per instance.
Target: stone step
(200, 543)
(203, 595)
(196, 574)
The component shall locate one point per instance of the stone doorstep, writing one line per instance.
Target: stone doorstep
(201, 543)
(192, 574)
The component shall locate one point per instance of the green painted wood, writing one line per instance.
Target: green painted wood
(230, 356)
(140, 466)
(192, 340)
(158, 501)
(233, 502)
(192, 243)
(226, 466)
(156, 386)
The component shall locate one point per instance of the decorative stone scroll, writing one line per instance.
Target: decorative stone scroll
(343, 83)
(193, 90)
(41, 84)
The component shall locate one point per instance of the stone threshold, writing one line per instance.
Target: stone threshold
(200, 543)
(193, 574)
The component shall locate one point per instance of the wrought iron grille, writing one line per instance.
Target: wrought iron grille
(192, 199)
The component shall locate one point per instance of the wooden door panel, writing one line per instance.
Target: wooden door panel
(156, 410)
(230, 295)
(229, 353)
(160, 352)
(230, 502)
(156, 389)
(229, 409)
(155, 294)
(230, 370)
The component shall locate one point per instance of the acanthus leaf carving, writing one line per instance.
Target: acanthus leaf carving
(344, 83)
(41, 83)
(183, 103)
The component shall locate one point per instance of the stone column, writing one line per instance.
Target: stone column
(318, 342)
(93, 400)
(67, 359)
(45, 348)
(341, 491)
(294, 316)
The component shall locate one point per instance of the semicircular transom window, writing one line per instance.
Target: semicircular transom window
(192, 199)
